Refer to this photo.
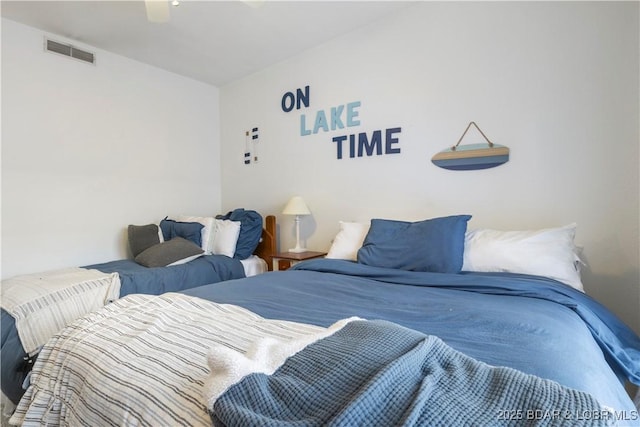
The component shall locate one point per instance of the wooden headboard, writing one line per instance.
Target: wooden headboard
(267, 246)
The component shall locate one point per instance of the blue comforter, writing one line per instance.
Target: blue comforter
(138, 279)
(134, 278)
(531, 324)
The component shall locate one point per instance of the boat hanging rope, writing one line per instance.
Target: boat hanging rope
(465, 132)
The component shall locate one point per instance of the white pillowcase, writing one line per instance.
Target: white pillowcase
(207, 230)
(185, 260)
(348, 240)
(548, 252)
(225, 237)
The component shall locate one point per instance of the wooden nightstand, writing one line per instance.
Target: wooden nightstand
(284, 260)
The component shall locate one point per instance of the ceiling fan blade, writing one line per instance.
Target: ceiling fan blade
(157, 10)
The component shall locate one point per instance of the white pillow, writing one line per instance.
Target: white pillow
(548, 252)
(225, 237)
(207, 230)
(348, 240)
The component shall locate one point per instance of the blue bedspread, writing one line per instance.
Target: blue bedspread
(134, 278)
(138, 279)
(531, 324)
(381, 374)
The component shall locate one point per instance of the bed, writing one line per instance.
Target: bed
(423, 347)
(17, 354)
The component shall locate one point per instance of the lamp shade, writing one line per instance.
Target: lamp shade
(296, 206)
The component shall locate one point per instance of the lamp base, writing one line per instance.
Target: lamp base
(298, 250)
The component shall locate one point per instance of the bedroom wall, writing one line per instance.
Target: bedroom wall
(87, 150)
(556, 82)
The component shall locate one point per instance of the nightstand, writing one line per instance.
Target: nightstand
(284, 260)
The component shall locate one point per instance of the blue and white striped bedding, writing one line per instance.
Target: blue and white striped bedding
(154, 370)
(42, 304)
(133, 278)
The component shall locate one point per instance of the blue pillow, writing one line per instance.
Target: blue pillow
(250, 231)
(187, 230)
(435, 245)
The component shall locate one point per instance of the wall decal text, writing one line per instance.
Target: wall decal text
(347, 115)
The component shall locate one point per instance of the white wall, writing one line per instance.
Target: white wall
(87, 150)
(555, 82)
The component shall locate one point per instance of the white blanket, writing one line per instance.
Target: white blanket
(265, 355)
(141, 360)
(43, 304)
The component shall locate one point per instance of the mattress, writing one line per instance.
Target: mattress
(254, 265)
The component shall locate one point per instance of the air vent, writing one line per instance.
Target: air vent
(70, 51)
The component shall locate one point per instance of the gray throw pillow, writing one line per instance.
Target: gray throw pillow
(142, 237)
(169, 252)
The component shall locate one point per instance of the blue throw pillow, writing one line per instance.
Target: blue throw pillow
(435, 245)
(250, 231)
(187, 230)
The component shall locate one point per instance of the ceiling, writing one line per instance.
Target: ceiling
(215, 42)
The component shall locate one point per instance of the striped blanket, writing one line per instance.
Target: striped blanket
(381, 374)
(44, 303)
(141, 360)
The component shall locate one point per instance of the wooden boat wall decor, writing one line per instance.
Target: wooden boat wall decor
(472, 156)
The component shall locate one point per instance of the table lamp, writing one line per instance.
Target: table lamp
(297, 207)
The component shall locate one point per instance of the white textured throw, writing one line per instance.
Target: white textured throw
(43, 304)
(264, 355)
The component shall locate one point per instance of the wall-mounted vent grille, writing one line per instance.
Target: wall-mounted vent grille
(69, 50)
